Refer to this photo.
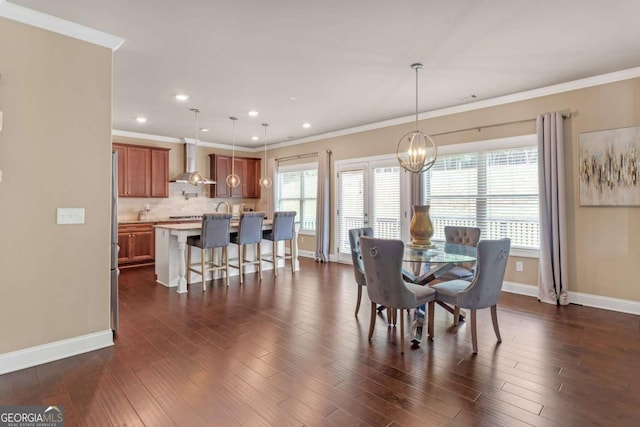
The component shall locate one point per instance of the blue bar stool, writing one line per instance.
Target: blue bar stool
(249, 233)
(214, 234)
(283, 229)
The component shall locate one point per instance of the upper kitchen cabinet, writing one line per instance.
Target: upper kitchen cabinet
(247, 169)
(142, 171)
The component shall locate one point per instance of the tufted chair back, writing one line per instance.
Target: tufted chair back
(484, 290)
(250, 228)
(283, 225)
(468, 236)
(382, 259)
(356, 255)
(214, 233)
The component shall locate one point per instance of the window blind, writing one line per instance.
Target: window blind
(351, 205)
(496, 191)
(297, 191)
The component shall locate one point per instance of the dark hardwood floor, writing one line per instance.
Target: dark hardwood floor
(289, 352)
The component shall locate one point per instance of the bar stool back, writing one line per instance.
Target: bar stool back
(249, 233)
(214, 234)
(283, 229)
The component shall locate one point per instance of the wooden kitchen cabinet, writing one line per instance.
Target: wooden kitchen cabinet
(247, 169)
(142, 171)
(137, 244)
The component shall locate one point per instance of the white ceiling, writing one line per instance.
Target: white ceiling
(345, 61)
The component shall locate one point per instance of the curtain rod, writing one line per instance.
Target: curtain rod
(299, 156)
(564, 116)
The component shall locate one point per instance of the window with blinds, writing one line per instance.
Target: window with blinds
(494, 190)
(297, 190)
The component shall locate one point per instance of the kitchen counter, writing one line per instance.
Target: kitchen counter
(156, 221)
(171, 247)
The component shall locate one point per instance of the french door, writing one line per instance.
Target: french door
(371, 194)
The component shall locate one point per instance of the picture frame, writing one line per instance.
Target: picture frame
(609, 167)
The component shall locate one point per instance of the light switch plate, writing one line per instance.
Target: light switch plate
(70, 216)
(519, 266)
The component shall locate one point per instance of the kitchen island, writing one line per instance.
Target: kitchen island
(170, 252)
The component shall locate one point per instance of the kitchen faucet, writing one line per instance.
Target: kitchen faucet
(222, 203)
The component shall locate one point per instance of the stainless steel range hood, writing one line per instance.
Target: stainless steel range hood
(190, 163)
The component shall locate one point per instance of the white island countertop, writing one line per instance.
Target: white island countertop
(170, 251)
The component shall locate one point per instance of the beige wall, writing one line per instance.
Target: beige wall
(603, 246)
(55, 150)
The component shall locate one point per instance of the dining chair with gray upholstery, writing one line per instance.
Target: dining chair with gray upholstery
(484, 290)
(356, 257)
(214, 234)
(467, 236)
(249, 233)
(382, 260)
(283, 229)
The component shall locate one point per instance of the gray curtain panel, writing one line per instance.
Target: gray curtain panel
(553, 276)
(322, 207)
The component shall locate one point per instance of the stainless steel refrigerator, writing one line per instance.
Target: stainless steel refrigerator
(114, 242)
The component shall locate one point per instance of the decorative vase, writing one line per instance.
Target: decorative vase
(421, 228)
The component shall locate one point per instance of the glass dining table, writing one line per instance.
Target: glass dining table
(424, 264)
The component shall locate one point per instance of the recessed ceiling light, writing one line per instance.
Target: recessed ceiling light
(306, 125)
(141, 119)
(254, 138)
(204, 129)
(293, 98)
(182, 97)
(253, 113)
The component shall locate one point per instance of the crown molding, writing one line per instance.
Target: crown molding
(172, 140)
(501, 100)
(613, 77)
(51, 23)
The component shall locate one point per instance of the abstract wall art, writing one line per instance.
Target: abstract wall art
(610, 167)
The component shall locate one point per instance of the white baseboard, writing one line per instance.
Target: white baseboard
(32, 356)
(520, 289)
(606, 303)
(308, 254)
(589, 300)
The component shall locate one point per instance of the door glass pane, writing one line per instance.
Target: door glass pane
(385, 214)
(351, 208)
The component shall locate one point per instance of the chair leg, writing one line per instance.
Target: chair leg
(275, 258)
(389, 318)
(494, 319)
(372, 322)
(359, 299)
(240, 255)
(474, 333)
(432, 310)
(203, 257)
(225, 256)
(188, 265)
(259, 252)
(401, 330)
(292, 260)
(456, 315)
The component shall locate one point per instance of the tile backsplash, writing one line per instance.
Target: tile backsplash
(178, 204)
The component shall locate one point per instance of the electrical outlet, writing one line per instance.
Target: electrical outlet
(519, 266)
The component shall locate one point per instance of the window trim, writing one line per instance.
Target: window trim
(519, 141)
(298, 167)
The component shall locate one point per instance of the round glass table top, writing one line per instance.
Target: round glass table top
(439, 253)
